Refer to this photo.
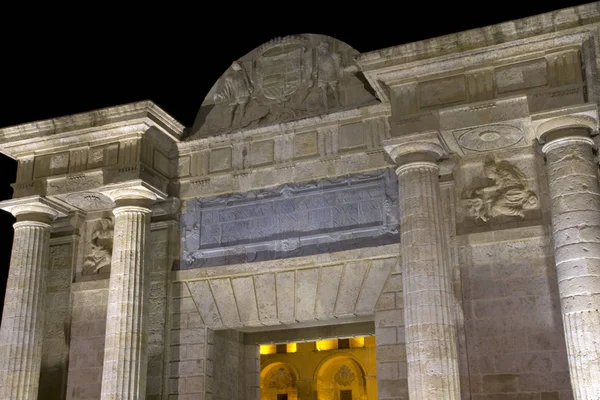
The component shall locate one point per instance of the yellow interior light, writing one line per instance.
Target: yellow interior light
(292, 347)
(323, 345)
(357, 342)
(267, 349)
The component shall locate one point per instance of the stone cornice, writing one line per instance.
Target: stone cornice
(89, 126)
(392, 74)
(478, 38)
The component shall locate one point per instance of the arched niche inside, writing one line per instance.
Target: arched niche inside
(277, 380)
(340, 377)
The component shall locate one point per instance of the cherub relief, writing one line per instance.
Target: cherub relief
(508, 195)
(101, 248)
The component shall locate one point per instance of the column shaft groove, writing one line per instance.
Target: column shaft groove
(575, 197)
(125, 357)
(21, 333)
(431, 340)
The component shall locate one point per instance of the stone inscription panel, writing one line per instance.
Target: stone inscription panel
(291, 220)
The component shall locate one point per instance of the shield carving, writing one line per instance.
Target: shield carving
(280, 75)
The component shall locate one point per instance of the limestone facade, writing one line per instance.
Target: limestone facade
(441, 196)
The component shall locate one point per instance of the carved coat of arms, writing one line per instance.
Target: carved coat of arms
(279, 73)
(285, 79)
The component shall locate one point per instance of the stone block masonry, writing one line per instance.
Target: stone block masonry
(163, 253)
(55, 349)
(88, 328)
(191, 352)
(514, 330)
(392, 379)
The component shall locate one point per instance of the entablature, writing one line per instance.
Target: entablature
(552, 70)
(94, 126)
(72, 157)
(548, 45)
(475, 41)
(335, 144)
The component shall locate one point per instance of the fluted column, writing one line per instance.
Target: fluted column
(125, 349)
(575, 197)
(431, 341)
(21, 332)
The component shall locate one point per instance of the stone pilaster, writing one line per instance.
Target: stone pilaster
(431, 342)
(252, 370)
(21, 333)
(125, 351)
(575, 201)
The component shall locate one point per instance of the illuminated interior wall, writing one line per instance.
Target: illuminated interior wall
(319, 370)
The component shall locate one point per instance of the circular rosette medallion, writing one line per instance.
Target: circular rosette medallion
(489, 138)
(89, 201)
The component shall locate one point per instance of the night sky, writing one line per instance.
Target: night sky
(56, 63)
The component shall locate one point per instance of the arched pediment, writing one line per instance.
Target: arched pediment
(285, 79)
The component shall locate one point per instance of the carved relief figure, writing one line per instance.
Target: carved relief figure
(101, 248)
(235, 93)
(328, 73)
(284, 79)
(508, 195)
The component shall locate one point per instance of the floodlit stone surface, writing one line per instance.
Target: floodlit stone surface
(125, 351)
(175, 250)
(21, 334)
(430, 320)
(575, 193)
(327, 215)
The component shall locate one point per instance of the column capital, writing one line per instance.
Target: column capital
(566, 137)
(576, 121)
(418, 147)
(134, 194)
(34, 208)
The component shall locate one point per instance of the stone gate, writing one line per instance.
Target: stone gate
(440, 195)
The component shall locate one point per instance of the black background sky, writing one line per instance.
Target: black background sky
(61, 62)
